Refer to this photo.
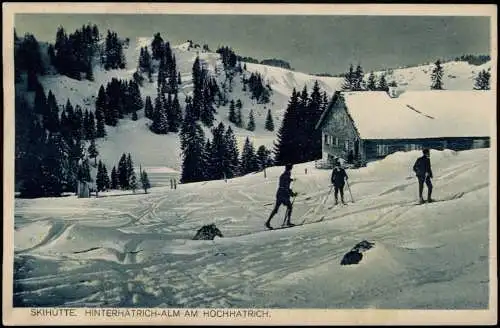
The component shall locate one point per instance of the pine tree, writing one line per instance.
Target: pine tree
(382, 84)
(53, 124)
(349, 79)
(115, 180)
(269, 121)
(482, 81)
(251, 121)
(324, 103)
(437, 76)
(232, 113)
(248, 158)
(84, 172)
(175, 122)
(101, 177)
(100, 124)
(207, 161)
(371, 82)
(41, 106)
(148, 108)
(133, 183)
(92, 151)
(287, 146)
(263, 157)
(29, 145)
(219, 161)
(192, 141)
(123, 172)
(53, 166)
(358, 79)
(130, 169)
(91, 127)
(232, 156)
(145, 181)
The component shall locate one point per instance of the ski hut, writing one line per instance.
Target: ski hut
(83, 189)
(361, 126)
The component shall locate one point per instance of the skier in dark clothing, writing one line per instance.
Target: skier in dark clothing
(422, 168)
(338, 180)
(283, 196)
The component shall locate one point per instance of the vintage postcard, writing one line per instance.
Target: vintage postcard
(249, 164)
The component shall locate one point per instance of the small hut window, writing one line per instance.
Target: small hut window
(326, 139)
(382, 150)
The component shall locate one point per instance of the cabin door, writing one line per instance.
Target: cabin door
(356, 149)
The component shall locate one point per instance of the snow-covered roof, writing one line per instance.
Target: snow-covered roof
(422, 114)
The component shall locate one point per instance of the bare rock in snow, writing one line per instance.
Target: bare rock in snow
(355, 255)
(207, 232)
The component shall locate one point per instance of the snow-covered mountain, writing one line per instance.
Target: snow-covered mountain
(137, 250)
(162, 152)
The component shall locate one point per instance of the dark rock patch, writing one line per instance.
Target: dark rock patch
(355, 255)
(207, 232)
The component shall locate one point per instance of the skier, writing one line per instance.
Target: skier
(422, 169)
(283, 197)
(339, 176)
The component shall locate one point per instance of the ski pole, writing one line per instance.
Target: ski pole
(348, 187)
(329, 192)
(286, 212)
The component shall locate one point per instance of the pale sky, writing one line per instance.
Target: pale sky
(311, 44)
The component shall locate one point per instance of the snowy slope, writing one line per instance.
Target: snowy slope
(135, 138)
(136, 250)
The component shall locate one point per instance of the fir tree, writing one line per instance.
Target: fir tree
(286, 146)
(130, 168)
(232, 156)
(207, 162)
(269, 121)
(100, 124)
(29, 144)
(133, 183)
(437, 76)
(482, 81)
(92, 151)
(148, 108)
(358, 79)
(349, 79)
(145, 181)
(248, 158)
(192, 141)
(53, 166)
(115, 180)
(101, 177)
(84, 172)
(382, 84)
(371, 82)
(251, 121)
(263, 157)
(123, 172)
(175, 122)
(53, 113)
(219, 161)
(232, 113)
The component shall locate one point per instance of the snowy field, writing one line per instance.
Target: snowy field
(137, 250)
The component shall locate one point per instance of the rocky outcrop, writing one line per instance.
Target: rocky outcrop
(207, 232)
(354, 256)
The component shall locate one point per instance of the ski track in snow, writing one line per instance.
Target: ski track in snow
(137, 250)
